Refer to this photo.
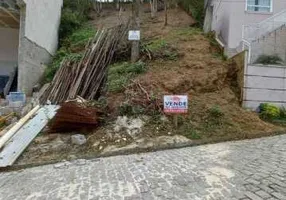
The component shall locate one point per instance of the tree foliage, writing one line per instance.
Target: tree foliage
(74, 14)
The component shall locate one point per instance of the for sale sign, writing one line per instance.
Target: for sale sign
(175, 103)
(134, 35)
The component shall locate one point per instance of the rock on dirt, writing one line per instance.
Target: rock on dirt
(132, 126)
(78, 139)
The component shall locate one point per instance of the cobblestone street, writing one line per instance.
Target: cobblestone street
(251, 169)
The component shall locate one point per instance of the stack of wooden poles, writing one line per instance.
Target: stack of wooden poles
(87, 77)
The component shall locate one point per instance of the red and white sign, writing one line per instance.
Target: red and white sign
(175, 103)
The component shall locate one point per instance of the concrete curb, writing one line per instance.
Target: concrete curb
(143, 150)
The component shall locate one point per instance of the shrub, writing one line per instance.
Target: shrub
(74, 14)
(70, 21)
(269, 111)
(216, 112)
(194, 135)
(157, 45)
(161, 49)
(81, 6)
(283, 112)
(269, 59)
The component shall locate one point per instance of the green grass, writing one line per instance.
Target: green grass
(120, 74)
(160, 48)
(188, 31)
(79, 38)
(72, 48)
(156, 45)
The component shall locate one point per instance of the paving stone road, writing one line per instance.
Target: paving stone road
(251, 169)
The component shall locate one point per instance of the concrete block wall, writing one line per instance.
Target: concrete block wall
(39, 24)
(264, 83)
(272, 43)
(32, 62)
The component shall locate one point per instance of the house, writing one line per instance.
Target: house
(235, 21)
(28, 39)
(259, 27)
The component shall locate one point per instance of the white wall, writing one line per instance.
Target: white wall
(42, 22)
(271, 44)
(264, 84)
(221, 18)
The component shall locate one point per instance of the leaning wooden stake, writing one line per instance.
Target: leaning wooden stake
(5, 138)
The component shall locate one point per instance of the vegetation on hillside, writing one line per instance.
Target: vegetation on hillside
(74, 14)
(195, 8)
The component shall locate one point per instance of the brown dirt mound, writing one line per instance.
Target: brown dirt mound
(201, 72)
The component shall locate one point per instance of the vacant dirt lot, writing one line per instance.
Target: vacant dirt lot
(184, 61)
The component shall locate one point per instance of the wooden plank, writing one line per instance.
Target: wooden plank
(24, 136)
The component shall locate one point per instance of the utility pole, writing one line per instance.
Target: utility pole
(136, 26)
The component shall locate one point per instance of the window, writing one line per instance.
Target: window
(259, 5)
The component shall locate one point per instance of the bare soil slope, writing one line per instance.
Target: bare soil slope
(200, 71)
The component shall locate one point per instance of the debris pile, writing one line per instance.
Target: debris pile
(139, 94)
(86, 78)
(74, 116)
